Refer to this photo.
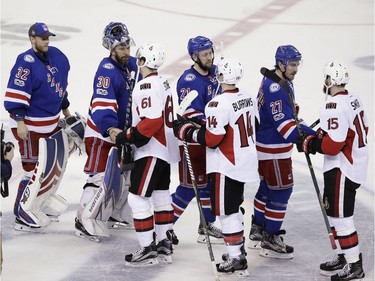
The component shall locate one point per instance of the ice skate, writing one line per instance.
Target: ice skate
(331, 267)
(215, 234)
(351, 271)
(173, 237)
(165, 251)
(255, 236)
(82, 232)
(21, 226)
(233, 266)
(115, 224)
(145, 256)
(225, 256)
(273, 246)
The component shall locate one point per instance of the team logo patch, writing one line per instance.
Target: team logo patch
(326, 203)
(274, 87)
(108, 66)
(189, 77)
(101, 92)
(19, 82)
(28, 58)
(278, 117)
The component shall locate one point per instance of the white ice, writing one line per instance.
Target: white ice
(251, 31)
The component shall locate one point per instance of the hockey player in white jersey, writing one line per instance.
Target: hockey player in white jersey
(231, 157)
(343, 141)
(155, 149)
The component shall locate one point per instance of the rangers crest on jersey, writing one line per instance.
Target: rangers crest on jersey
(28, 58)
(274, 87)
(189, 77)
(108, 66)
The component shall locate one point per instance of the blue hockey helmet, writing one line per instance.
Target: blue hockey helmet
(198, 44)
(116, 33)
(287, 53)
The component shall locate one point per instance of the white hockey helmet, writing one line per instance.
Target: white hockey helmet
(338, 72)
(152, 53)
(231, 69)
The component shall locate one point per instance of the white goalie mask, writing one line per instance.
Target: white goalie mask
(152, 53)
(338, 72)
(231, 69)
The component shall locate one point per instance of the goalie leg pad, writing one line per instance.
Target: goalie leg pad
(91, 209)
(122, 215)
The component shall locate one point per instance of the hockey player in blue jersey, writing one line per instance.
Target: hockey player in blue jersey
(200, 77)
(109, 113)
(275, 137)
(35, 96)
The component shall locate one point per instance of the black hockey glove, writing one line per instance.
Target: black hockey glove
(305, 143)
(131, 136)
(125, 157)
(183, 129)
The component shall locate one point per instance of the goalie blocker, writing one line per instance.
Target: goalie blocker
(37, 200)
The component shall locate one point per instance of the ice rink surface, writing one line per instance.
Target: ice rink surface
(251, 31)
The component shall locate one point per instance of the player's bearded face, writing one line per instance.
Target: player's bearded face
(121, 54)
(41, 44)
(205, 59)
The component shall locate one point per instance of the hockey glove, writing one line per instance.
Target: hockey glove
(184, 129)
(131, 136)
(305, 143)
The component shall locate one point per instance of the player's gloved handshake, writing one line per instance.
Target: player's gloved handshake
(310, 144)
(184, 129)
(304, 143)
(131, 136)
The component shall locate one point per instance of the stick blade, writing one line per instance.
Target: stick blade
(186, 102)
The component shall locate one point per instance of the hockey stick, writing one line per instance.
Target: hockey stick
(273, 76)
(182, 107)
(315, 123)
(128, 166)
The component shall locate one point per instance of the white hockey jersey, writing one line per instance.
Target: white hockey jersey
(152, 113)
(230, 136)
(343, 119)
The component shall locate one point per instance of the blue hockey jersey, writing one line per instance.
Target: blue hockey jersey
(109, 102)
(278, 129)
(204, 85)
(36, 89)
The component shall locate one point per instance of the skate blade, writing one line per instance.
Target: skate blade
(165, 258)
(213, 240)
(144, 263)
(25, 228)
(329, 273)
(254, 245)
(87, 237)
(272, 254)
(120, 226)
(235, 274)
